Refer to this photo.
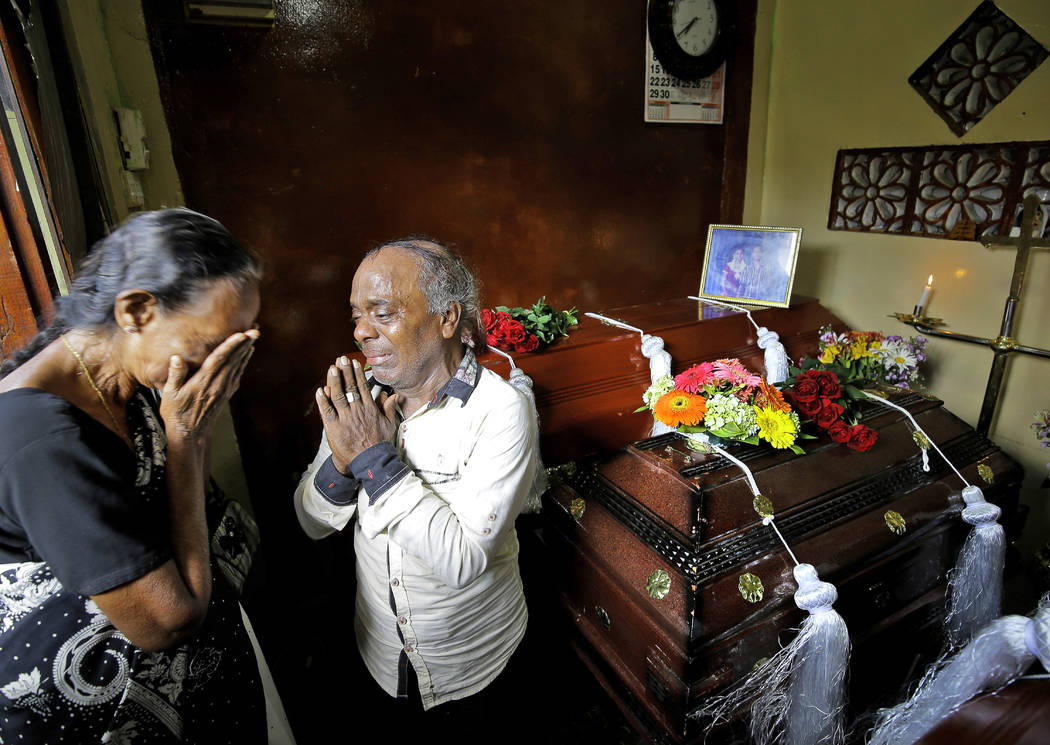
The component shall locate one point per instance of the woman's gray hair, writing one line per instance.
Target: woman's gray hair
(444, 279)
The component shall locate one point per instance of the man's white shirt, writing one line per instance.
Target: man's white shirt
(437, 552)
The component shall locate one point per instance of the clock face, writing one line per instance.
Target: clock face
(690, 38)
(695, 25)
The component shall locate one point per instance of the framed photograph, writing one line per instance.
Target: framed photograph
(749, 264)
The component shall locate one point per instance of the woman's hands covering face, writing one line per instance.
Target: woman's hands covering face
(190, 403)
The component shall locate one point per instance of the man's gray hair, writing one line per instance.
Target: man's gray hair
(445, 279)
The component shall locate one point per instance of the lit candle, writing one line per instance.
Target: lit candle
(925, 296)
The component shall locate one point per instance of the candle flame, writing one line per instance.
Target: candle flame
(930, 280)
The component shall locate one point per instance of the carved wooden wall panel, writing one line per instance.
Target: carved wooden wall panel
(978, 66)
(953, 191)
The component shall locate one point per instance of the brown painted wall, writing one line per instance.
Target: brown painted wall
(511, 129)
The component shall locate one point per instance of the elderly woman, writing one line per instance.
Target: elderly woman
(119, 619)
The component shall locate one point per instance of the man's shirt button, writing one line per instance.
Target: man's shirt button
(394, 582)
(402, 620)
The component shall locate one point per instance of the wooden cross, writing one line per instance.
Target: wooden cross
(1003, 345)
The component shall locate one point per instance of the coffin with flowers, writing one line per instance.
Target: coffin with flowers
(676, 588)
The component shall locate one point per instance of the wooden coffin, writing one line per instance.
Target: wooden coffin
(658, 511)
(649, 540)
(588, 384)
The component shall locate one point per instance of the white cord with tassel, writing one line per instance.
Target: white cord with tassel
(976, 584)
(998, 654)
(799, 693)
(659, 360)
(523, 383)
(769, 341)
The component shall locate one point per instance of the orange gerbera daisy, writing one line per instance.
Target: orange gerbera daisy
(771, 397)
(677, 408)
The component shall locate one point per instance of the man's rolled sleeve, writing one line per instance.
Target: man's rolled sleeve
(318, 514)
(378, 469)
(334, 486)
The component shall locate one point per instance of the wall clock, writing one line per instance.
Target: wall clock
(690, 38)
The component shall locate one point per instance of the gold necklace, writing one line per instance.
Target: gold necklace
(94, 387)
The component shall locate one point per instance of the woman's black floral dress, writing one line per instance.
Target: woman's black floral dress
(66, 674)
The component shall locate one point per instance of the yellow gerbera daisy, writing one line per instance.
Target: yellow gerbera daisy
(677, 408)
(775, 427)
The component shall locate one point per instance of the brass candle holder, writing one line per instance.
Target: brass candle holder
(1004, 344)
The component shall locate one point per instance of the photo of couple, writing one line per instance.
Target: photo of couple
(750, 264)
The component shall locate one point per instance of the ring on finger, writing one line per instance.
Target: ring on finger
(351, 396)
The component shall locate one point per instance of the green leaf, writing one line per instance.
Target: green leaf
(692, 430)
(729, 432)
(752, 440)
(796, 449)
(640, 408)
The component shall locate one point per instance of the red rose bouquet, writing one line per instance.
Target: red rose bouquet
(525, 329)
(819, 395)
(827, 389)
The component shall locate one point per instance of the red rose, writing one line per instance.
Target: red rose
(828, 382)
(808, 409)
(839, 431)
(829, 413)
(495, 323)
(530, 344)
(861, 438)
(489, 319)
(806, 389)
(509, 331)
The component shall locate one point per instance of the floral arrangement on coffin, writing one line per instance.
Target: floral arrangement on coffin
(526, 329)
(828, 389)
(869, 355)
(723, 400)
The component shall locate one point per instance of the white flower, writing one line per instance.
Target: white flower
(723, 409)
(896, 355)
(27, 683)
(664, 384)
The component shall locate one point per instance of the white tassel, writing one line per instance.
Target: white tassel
(801, 689)
(776, 356)
(523, 383)
(1037, 635)
(659, 366)
(977, 581)
(998, 654)
(816, 698)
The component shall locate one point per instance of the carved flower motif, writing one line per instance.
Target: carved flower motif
(982, 68)
(874, 194)
(968, 184)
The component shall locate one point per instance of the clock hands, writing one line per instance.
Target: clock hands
(687, 27)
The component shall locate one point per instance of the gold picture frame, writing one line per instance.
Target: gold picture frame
(750, 264)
